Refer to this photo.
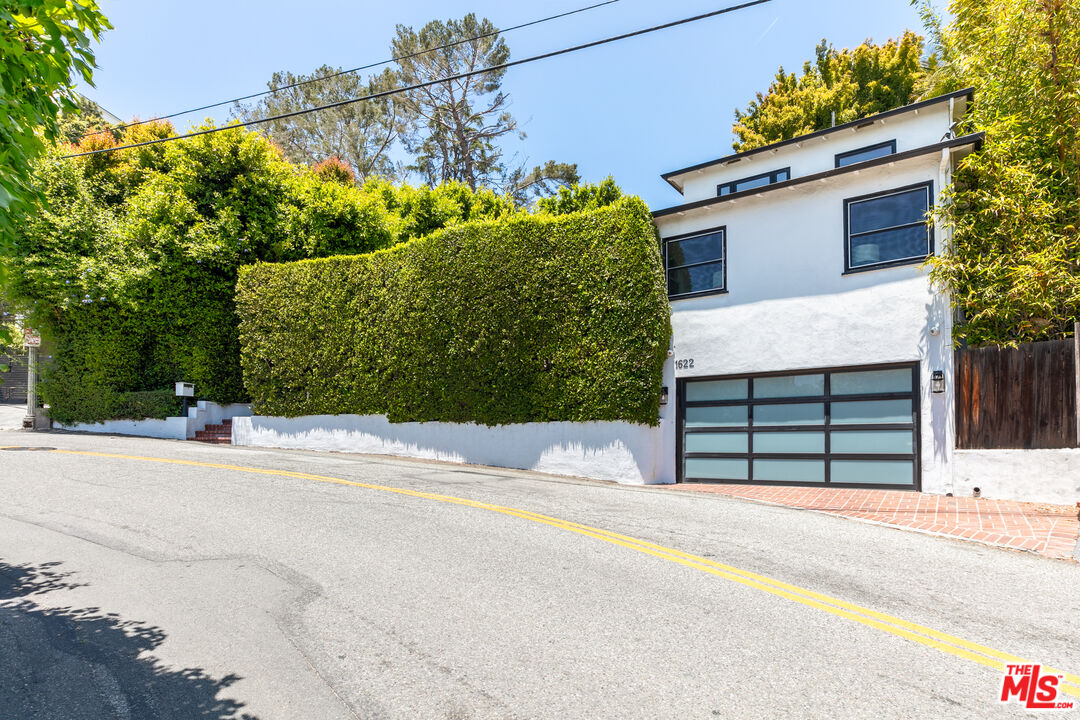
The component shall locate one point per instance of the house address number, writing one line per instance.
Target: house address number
(684, 364)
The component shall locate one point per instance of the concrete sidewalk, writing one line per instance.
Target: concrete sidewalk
(11, 416)
(1049, 530)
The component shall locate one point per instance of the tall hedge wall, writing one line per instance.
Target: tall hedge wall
(531, 318)
(130, 267)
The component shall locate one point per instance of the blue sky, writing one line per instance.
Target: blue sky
(632, 109)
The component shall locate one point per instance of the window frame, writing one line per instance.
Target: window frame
(722, 259)
(772, 175)
(891, 144)
(928, 186)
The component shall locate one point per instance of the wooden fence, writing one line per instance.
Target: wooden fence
(1023, 397)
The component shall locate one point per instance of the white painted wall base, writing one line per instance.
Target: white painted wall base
(174, 428)
(617, 451)
(200, 415)
(1050, 476)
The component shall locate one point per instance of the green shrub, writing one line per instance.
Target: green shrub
(532, 318)
(130, 268)
(91, 404)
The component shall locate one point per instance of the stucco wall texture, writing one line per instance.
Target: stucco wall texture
(614, 451)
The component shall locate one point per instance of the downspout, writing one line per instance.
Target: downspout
(948, 355)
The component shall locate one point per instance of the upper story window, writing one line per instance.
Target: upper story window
(754, 181)
(867, 153)
(888, 228)
(696, 263)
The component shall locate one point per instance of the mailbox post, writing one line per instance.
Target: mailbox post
(185, 390)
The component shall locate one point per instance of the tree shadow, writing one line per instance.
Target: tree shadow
(87, 664)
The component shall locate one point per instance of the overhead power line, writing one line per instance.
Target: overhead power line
(357, 69)
(429, 83)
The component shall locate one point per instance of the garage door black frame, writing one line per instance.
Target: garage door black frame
(827, 399)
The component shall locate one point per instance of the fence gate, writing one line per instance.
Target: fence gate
(1022, 397)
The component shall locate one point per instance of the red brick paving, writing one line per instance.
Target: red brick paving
(1049, 530)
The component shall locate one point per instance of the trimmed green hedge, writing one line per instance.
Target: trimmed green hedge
(130, 267)
(531, 318)
(92, 405)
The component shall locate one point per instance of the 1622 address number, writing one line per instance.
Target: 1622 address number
(684, 364)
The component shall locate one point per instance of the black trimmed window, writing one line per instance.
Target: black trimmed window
(754, 181)
(696, 262)
(888, 228)
(870, 152)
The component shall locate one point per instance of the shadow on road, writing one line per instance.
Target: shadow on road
(86, 664)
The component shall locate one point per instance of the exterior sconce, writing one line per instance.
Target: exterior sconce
(663, 395)
(937, 381)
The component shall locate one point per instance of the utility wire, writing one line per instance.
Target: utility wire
(357, 69)
(429, 83)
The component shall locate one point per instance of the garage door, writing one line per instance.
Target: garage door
(844, 427)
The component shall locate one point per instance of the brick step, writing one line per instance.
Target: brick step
(217, 434)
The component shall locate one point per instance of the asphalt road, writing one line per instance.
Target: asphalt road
(139, 589)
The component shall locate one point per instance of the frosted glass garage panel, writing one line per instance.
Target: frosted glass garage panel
(875, 472)
(704, 390)
(810, 471)
(864, 382)
(893, 442)
(790, 414)
(722, 416)
(868, 412)
(789, 386)
(717, 468)
(789, 442)
(727, 442)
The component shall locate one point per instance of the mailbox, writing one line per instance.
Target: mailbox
(184, 389)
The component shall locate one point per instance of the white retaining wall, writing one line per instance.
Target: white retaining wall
(617, 451)
(200, 415)
(1050, 476)
(174, 428)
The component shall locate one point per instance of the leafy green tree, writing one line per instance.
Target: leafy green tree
(10, 344)
(457, 124)
(361, 133)
(130, 266)
(334, 168)
(1013, 263)
(941, 69)
(456, 127)
(540, 182)
(87, 119)
(577, 198)
(44, 45)
(836, 87)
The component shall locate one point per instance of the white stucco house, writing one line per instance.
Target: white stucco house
(810, 347)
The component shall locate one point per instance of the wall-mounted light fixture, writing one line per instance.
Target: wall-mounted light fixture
(937, 381)
(663, 395)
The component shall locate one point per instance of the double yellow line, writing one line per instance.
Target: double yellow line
(946, 643)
